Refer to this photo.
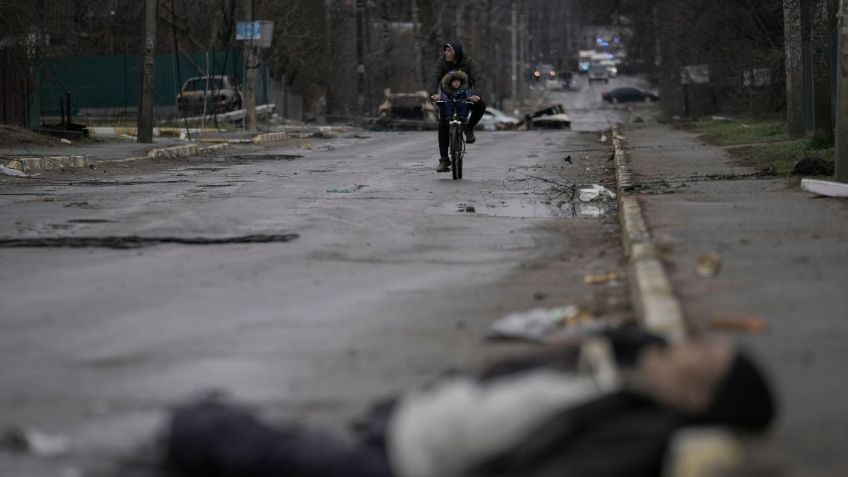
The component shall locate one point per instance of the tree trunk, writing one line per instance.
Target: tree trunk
(329, 82)
(416, 39)
(822, 114)
(842, 95)
(794, 68)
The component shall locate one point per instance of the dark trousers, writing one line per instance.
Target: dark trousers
(218, 440)
(477, 110)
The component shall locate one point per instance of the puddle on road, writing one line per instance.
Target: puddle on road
(529, 208)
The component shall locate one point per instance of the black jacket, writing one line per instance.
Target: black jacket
(462, 62)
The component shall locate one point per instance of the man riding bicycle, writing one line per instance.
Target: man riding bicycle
(455, 59)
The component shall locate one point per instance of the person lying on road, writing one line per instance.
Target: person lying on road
(604, 407)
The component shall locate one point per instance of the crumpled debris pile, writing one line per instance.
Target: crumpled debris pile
(595, 192)
(539, 324)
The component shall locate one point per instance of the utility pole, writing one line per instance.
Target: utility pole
(842, 94)
(522, 58)
(514, 92)
(794, 68)
(148, 74)
(329, 55)
(250, 54)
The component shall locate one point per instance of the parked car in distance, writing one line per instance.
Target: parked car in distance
(219, 93)
(496, 120)
(611, 66)
(628, 95)
(598, 72)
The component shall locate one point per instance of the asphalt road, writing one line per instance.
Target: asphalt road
(376, 276)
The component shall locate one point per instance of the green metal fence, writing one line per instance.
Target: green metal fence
(112, 82)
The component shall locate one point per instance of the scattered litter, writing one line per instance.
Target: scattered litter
(35, 442)
(618, 137)
(744, 323)
(466, 208)
(708, 265)
(65, 141)
(602, 278)
(596, 192)
(591, 211)
(604, 137)
(568, 159)
(813, 166)
(538, 323)
(7, 171)
(347, 190)
(723, 118)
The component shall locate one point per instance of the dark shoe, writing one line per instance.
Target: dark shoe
(469, 136)
(444, 165)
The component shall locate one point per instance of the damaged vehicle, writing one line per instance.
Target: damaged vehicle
(552, 117)
(407, 111)
(496, 120)
(213, 94)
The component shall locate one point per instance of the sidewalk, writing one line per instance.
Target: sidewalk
(782, 258)
(35, 157)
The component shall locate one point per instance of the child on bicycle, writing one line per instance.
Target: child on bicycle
(454, 86)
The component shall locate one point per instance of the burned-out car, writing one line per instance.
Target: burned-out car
(552, 117)
(219, 94)
(407, 111)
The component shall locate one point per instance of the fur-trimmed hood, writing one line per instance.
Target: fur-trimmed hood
(456, 74)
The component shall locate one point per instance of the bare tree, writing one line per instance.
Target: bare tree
(822, 119)
(794, 68)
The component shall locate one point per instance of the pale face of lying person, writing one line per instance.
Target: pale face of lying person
(685, 376)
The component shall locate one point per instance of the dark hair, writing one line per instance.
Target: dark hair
(742, 398)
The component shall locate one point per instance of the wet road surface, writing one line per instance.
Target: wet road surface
(304, 279)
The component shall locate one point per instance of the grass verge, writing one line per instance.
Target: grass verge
(761, 142)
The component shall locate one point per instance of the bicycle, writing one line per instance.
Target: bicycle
(457, 138)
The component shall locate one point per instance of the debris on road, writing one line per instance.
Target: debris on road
(551, 117)
(8, 171)
(537, 324)
(602, 278)
(34, 442)
(466, 208)
(813, 166)
(596, 192)
(744, 323)
(708, 265)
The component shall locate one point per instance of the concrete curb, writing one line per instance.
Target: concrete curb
(52, 163)
(656, 305)
(270, 137)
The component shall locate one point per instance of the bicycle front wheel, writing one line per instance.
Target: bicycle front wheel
(455, 152)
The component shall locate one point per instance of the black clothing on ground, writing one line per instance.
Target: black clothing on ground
(211, 439)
